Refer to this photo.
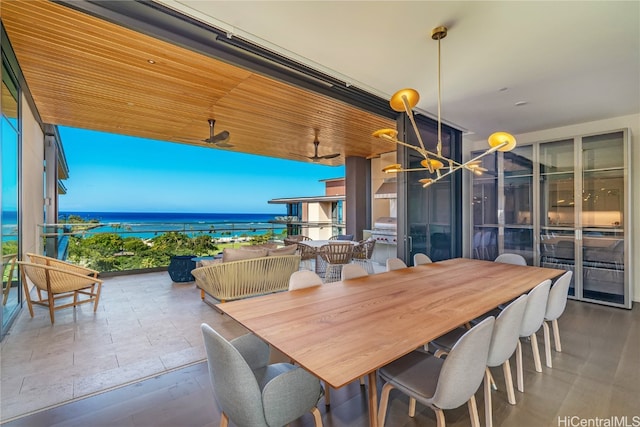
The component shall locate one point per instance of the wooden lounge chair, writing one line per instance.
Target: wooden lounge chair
(59, 283)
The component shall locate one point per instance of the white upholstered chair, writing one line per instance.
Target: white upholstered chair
(304, 279)
(353, 271)
(508, 258)
(555, 307)
(395, 264)
(531, 322)
(419, 259)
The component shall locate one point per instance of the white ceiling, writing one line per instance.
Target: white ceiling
(571, 62)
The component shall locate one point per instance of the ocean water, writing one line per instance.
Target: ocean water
(150, 224)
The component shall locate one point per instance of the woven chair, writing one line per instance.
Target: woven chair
(308, 256)
(58, 263)
(8, 263)
(362, 253)
(59, 283)
(295, 239)
(335, 255)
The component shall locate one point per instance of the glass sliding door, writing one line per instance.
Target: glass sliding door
(431, 219)
(518, 203)
(485, 209)
(9, 200)
(558, 207)
(602, 217)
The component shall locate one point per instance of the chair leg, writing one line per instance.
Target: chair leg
(384, 401)
(317, 416)
(511, 395)
(97, 297)
(547, 344)
(26, 294)
(362, 381)
(224, 420)
(519, 373)
(51, 306)
(536, 352)
(473, 412)
(488, 418)
(440, 417)
(492, 381)
(556, 335)
(412, 407)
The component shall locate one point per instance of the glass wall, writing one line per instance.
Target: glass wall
(9, 198)
(567, 212)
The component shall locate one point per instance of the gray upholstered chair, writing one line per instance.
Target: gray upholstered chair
(395, 264)
(504, 341)
(304, 279)
(555, 307)
(441, 383)
(531, 322)
(253, 393)
(419, 259)
(352, 271)
(508, 258)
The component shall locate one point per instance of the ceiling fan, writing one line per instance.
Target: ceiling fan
(219, 140)
(315, 156)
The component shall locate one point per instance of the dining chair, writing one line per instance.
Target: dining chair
(304, 279)
(508, 258)
(308, 255)
(555, 307)
(362, 253)
(353, 271)
(335, 255)
(7, 270)
(59, 283)
(441, 383)
(532, 321)
(395, 264)
(252, 392)
(419, 259)
(506, 332)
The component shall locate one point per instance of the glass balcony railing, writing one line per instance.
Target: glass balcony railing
(132, 247)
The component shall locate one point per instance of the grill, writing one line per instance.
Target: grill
(385, 230)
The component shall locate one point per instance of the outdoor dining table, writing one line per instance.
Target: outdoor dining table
(344, 330)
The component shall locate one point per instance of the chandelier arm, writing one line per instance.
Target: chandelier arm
(425, 153)
(415, 129)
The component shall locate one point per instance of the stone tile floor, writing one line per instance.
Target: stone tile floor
(145, 325)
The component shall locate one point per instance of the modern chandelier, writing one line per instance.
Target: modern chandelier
(436, 164)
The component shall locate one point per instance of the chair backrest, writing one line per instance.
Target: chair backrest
(395, 264)
(352, 271)
(536, 308)
(419, 259)
(558, 296)
(306, 252)
(348, 237)
(55, 280)
(337, 253)
(237, 390)
(514, 259)
(506, 331)
(364, 249)
(304, 279)
(463, 369)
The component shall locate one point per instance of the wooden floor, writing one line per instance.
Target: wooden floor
(596, 376)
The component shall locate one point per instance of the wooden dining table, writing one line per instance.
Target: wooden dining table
(344, 330)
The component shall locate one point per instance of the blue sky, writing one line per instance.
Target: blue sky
(114, 173)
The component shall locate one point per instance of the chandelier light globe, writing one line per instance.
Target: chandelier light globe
(426, 182)
(435, 164)
(505, 141)
(394, 168)
(386, 133)
(397, 99)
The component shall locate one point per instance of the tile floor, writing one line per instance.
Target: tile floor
(145, 325)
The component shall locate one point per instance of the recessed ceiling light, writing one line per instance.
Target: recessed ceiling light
(503, 89)
(520, 103)
(151, 61)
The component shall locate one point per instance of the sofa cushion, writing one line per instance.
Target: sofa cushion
(285, 250)
(229, 254)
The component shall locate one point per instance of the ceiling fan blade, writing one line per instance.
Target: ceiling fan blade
(224, 144)
(330, 156)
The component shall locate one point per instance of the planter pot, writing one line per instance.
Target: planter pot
(180, 268)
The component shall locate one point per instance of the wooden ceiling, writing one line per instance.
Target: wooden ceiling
(88, 73)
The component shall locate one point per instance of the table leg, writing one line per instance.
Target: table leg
(373, 399)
